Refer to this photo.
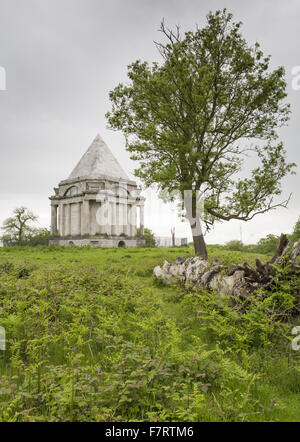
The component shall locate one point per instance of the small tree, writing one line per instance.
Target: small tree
(148, 236)
(187, 121)
(18, 227)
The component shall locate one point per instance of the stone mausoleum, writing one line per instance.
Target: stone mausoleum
(98, 204)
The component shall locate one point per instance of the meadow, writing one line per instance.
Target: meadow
(92, 336)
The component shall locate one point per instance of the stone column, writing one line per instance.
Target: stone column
(119, 218)
(142, 219)
(61, 220)
(85, 217)
(68, 219)
(127, 218)
(79, 219)
(53, 219)
(75, 228)
(114, 218)
(108, 217)
(100, 217)
(133, 220)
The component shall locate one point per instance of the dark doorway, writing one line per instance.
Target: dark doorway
(121, 244)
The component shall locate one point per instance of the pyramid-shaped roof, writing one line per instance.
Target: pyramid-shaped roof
(98, 161)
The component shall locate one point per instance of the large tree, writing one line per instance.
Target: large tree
(192, 120)
(19, 226)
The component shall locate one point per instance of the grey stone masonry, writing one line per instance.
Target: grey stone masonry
(97, 205)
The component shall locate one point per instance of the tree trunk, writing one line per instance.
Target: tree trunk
(200, 246)
(198, 238)
(195, 222)
(20, 233)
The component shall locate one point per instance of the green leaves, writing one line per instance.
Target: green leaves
(190, 119)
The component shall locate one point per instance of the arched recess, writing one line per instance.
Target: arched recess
(120, 191)
(72, 191)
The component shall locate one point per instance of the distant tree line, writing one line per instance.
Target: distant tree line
(265, 245)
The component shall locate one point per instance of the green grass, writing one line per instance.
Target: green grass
(91, 336)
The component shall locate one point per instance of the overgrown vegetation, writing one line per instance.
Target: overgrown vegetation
(91, 336)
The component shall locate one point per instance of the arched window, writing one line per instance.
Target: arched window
(120, 191)
(72, 191)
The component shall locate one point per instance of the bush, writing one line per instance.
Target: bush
(149, 237)
(235, 245)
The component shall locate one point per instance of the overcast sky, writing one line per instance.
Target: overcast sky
(62, 57)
